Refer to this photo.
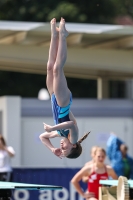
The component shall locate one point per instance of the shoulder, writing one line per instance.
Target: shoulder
(109, 168)
(130, 159)
(88, 166)
(88, 163)
(86, 169)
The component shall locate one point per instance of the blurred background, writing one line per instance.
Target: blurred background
(99, 71)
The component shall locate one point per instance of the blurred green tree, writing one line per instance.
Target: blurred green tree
(123, 7)
(85, 11)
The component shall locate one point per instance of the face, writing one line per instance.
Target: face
(66, 146)
(99, 157)
(123, 149)
(93, 153)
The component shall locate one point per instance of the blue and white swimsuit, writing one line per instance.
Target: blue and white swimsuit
(60, 114)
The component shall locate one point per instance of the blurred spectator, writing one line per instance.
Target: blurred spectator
(119, 158)
(95, 171)
(93, 150)
(6, 152)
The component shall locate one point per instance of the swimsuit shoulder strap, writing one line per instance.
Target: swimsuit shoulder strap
(92, 171)
(93, 168)
(105, 169)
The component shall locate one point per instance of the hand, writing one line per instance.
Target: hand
(112, 133)
(57, 152)
(47, 127)
(88, 195)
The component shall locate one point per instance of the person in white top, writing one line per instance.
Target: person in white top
(6, 152)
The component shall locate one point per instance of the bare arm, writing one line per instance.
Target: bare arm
(10, 151)
(44, 137)
(74, 131)
(63, 125)
(85, 178)
(77, 178)
(111, 172)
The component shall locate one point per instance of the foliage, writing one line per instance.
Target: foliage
(123, 7)
(85, 11)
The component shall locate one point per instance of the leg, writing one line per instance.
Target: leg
(52, 55)
(61, 90)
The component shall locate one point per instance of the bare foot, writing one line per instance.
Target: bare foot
(54, 29)
(62, 28)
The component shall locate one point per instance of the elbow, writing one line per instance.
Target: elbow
(71, 124)
(41, 137)
(73, 181)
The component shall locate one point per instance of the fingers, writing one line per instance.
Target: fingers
(89, 195)
(60, 157)
(58, 152)
(44, 125)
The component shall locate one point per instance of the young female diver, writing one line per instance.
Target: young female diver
(61, 98)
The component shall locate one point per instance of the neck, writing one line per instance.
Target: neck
(123, 155)
(99, 165)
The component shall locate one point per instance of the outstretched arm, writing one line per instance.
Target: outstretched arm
(44, 137)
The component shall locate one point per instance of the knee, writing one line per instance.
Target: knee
(50, 66)
(56, 70)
